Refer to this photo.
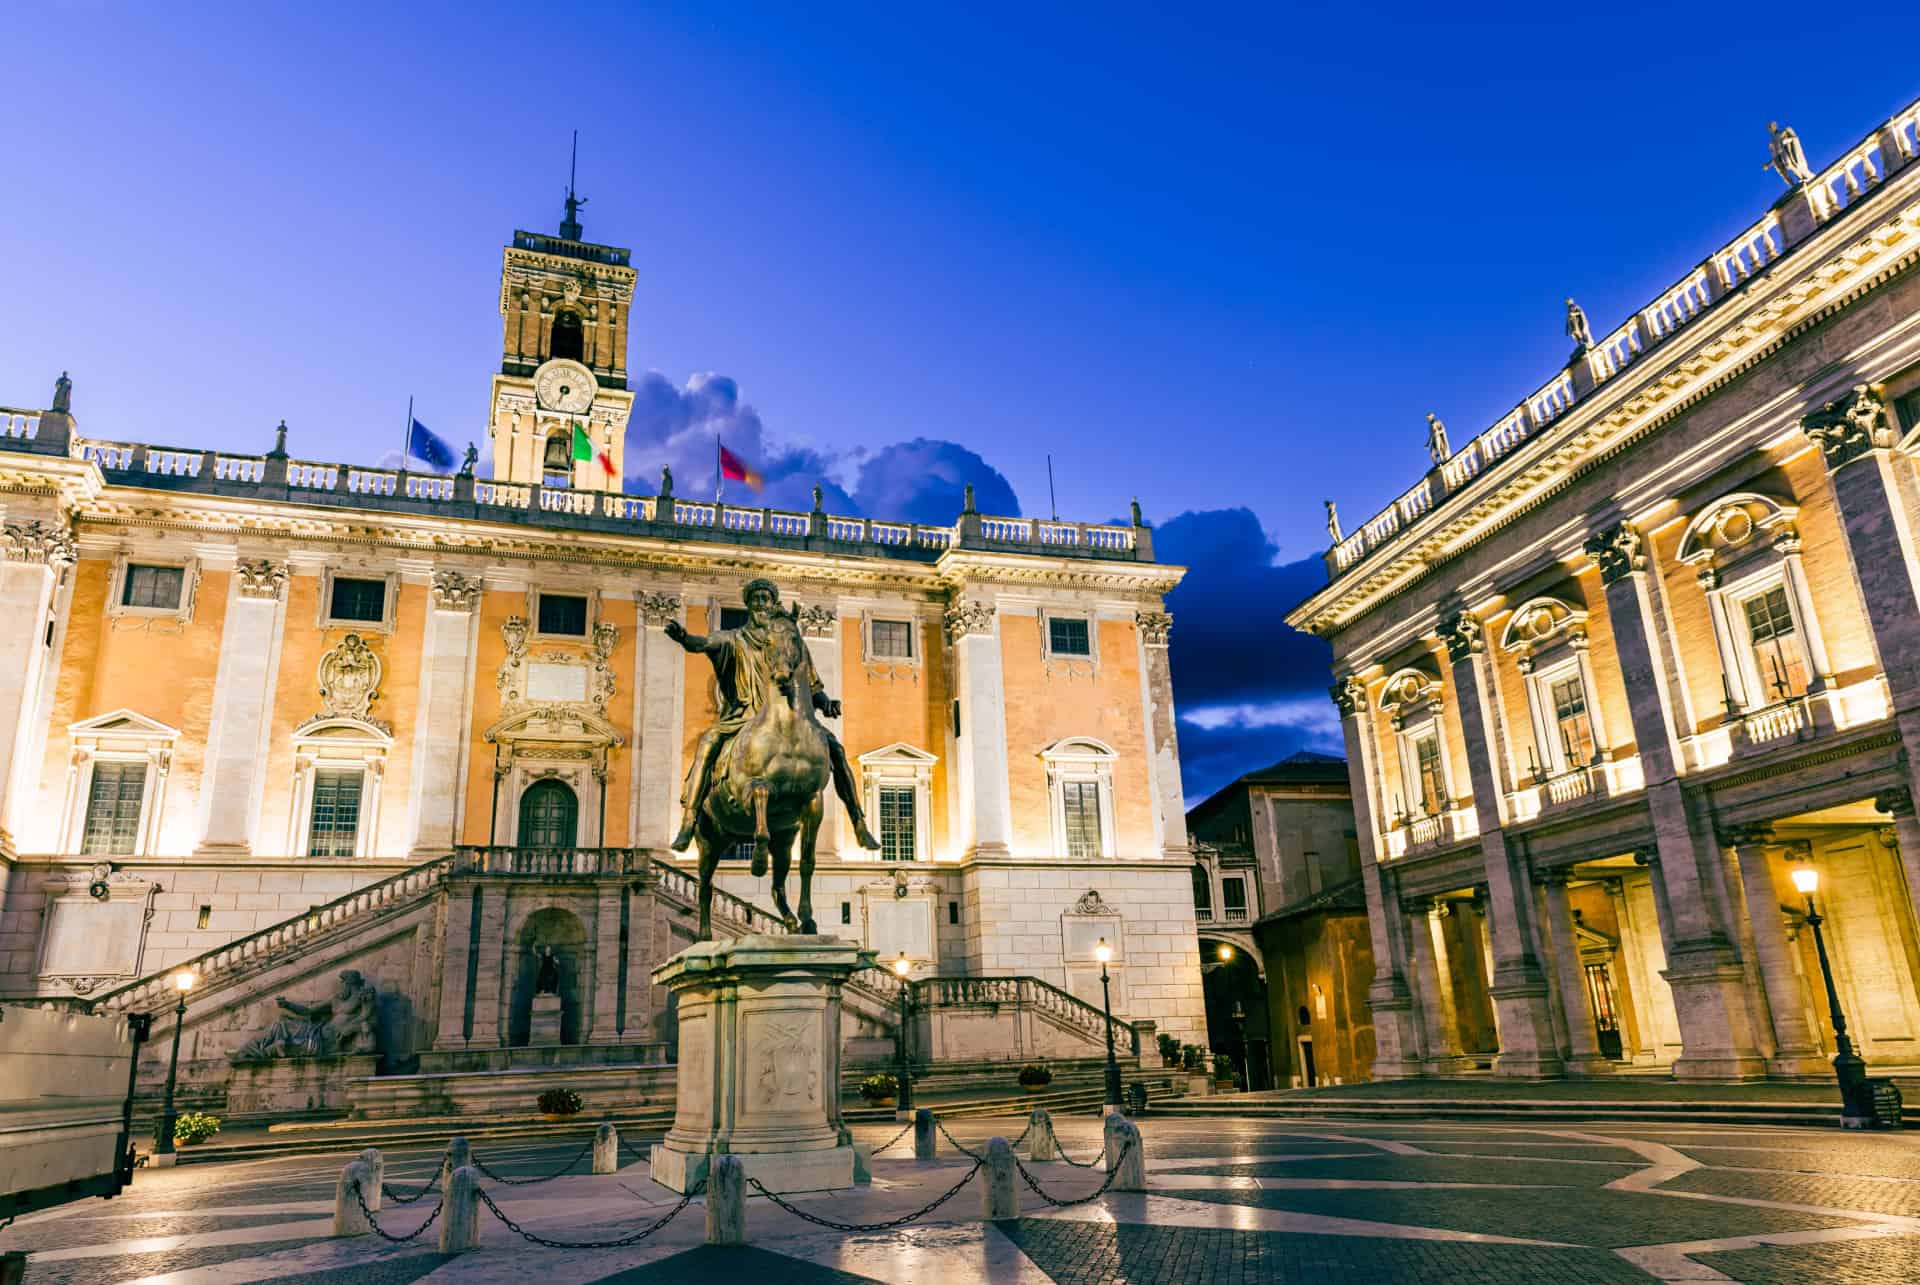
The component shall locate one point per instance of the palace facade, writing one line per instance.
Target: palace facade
(266, 718)
(1622, 664)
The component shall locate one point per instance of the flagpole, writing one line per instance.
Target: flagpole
(719, 470)
(1053, 501)
(406, 439)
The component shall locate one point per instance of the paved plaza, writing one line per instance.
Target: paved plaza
(1228, 1200)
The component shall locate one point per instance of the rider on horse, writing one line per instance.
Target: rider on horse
(739, 665)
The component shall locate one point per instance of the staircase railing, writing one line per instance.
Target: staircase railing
(1043, 997)
(155, 990)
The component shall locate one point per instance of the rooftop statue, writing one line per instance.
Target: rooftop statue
(757, 773)
(1437, 440)
(467, 461)
(338, 1026)
(1577, 328)
(1333, 522)
(1789, 159)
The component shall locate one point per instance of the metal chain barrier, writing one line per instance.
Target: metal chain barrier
(889, 1225)
(961, 1148)
(632, 1148)
(481, 1165)
(398, 1198)
(634, 1239)
(1065, 1204)
(386, 1235)
(896, 1138)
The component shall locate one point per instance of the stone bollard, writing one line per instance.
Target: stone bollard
(726, 1201)
(347, 1218)
(460, 1218)
(458, 1156)
(925, 1141)
(1124, 1135)
(373, 1160)
(1042, 1145)
(999, 1198)
(606, 1149)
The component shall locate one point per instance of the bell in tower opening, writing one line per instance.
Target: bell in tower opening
(566, 336)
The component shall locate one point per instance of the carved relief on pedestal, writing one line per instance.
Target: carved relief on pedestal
(788, 1064)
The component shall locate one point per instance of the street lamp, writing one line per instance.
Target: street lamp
(901, 967)
(1856, 1106)
(1103, 953)
(1226, 953)
(1240, 1029)
(183, 982)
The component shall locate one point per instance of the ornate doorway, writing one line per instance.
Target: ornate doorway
(549, 816)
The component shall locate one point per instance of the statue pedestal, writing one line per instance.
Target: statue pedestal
(544, 1027)
(759, 1073)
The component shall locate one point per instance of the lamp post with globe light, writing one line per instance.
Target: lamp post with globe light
(1103, 953)
(1856, 1105)
(901, 967)
(183, 982)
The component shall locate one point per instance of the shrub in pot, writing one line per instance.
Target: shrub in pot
(1169, 1050)
(1035, 1077)
(1191, 1058)
(879, 1088)
(194, 1127)
(560, 1102)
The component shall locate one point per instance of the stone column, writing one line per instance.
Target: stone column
(440, 728)
(1703, 970)
(231, 785)
(1163, 749)
(986, 813)
(1898, 804)
(1519, 988)
(659, 695)
(36, 555)
(1794, 1050)
(821, 626)
(489, 982)
(1483, 934)
(1396, 1038)
(456, 951)
(1637, 1044)
(606, 965)
(1443, 1055)
(1583, 1040)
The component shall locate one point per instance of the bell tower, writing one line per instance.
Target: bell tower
(563, 359)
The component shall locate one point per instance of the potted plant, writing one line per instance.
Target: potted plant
(1035, 1077)
(1193, 1060)
(559, 1104)
(878, 1089)
(1224, 1071)
(193, 1128)
(1169, 1049)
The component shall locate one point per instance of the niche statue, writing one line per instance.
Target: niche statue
(339, 1026)
(547, 981)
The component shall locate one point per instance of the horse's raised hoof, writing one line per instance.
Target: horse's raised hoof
(759, 865)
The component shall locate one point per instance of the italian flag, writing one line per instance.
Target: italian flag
(583, 449)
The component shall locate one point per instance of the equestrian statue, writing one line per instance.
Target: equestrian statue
(758, 772)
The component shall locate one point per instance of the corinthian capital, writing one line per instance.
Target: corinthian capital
(1350, 696)
(817, 621)
(1850, 426)
(455, 592)
(261, 577)
(1895, 801)
(1463, 636)
(965, 618)
(1156, 627)
(658, 608)
(1618, 551)
(43, 542)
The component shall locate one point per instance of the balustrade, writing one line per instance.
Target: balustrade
(24, 425)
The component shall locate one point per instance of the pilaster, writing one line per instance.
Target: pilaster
(1155, 630)
(606, 965)
(1395, 1036)
(820, 624)
(456, 955)
(36, 555)
(1706, 976)
(489, 976)
(1519, 988)
(986, 811)
(1443, 1055)
(1898, 804)
(440, 729)
(659, 695)
(243, 685)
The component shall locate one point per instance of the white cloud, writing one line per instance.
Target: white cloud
(1314, 716)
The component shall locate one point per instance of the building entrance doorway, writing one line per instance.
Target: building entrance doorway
(549, 816)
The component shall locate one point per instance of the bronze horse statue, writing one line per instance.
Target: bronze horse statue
(768, 781)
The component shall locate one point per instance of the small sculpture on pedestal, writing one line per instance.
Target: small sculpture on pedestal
(548, 981)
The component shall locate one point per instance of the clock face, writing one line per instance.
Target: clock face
(563, 385)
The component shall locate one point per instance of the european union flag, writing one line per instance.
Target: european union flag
(425, 446)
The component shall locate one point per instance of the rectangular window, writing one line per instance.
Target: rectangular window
(896, 823)
(336, 812)
(953, 912)
(891, 640)
(1574, 728)
(1433, 788)
(113, 809)
(1778, 656)
(358, 599)
(564, 614)
(1068, 636)
(1081, 802)
(157, 587)
(1233, 897)
(1202, 894)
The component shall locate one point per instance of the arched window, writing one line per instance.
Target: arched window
(1080, 790)
(549, 813)
(568, 338)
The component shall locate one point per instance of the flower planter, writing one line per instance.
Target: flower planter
(557, 1117)
(879, 1102)
(1034, 1088)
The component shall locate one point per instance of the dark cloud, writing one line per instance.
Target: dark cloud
(923, 481)
(677, 426)
(1250, 690)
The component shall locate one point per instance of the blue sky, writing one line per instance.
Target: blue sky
(1225, 259)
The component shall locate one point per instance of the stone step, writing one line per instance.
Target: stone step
(1705, 1112)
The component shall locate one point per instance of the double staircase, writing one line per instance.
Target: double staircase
(872, 995)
